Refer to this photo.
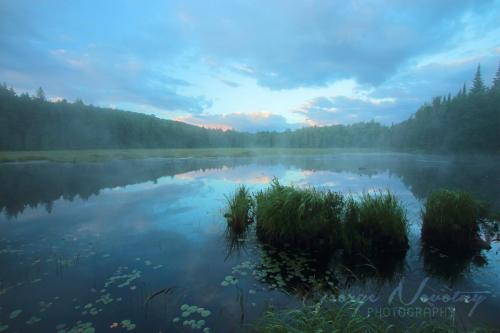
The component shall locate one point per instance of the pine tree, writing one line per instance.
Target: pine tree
(464, 90)
(496, 80)
(40, 94)
(478, 84)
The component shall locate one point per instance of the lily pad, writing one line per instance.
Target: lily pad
(33, 320)
(15, 313)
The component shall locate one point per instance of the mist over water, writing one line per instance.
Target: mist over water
(92, 242)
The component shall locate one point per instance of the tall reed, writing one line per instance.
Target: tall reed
(239, 210)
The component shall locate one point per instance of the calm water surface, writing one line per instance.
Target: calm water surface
(120, 246)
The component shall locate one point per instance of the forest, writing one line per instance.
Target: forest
(466, 122)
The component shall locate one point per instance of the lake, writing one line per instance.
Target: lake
(123, 245)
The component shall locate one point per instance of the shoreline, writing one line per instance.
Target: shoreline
(99, 155)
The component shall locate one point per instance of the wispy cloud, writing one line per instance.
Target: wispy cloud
(248, 122)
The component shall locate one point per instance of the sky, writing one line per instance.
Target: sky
(250, 65)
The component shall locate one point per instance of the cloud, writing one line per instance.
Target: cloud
(100, 60)
(246, 122)
(324, 111)
(159, 56)
(229, 83)
(314, 43)
(402, 95)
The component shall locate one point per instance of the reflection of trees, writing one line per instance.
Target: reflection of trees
(449, 268)
(360, 270)
(32, 184)
(236, 241)
(296, 271)
(308, 274)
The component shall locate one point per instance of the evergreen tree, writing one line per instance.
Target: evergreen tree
(496, 80)
(478, 84)
(40, 94)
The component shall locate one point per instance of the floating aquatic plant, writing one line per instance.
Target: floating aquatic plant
(229, 280)
(191, 310)
(80, 327)
(14, 314)
(105, 299)
(121, 275)
(128, 325)
(44, 306)
(33, 320)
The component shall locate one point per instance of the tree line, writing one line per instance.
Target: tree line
(467, 121)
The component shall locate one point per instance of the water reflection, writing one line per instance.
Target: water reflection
(32, 184)
(440, 265)
(68, 229)
(378, 270)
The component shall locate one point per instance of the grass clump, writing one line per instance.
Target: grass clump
(239, 210)
(451, 221)
(299, 217)
(319, 317)
(374, 225)
(326, 316)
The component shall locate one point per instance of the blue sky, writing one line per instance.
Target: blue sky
(250, 65)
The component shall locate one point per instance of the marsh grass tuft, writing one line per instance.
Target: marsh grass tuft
(239, 210)
(299, 217)
(451, 222)
(375, 225)
(319, 317)
(326, 316)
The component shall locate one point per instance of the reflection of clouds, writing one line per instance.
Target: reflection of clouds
(349, 182)
(307, 173)
(248, 174)
(192, 202)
